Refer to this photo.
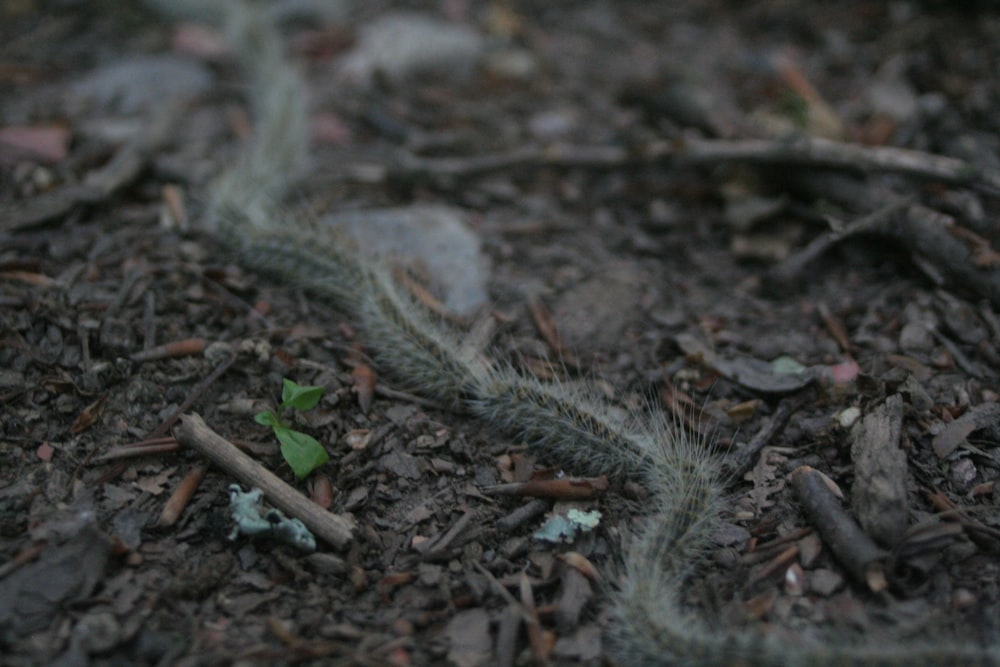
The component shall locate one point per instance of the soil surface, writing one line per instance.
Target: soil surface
(693, 285)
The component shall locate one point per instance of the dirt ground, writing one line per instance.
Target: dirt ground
(841, 315)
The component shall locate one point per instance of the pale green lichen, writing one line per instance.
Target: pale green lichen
(253, 519)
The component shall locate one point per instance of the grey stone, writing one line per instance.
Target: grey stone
(404, 44)
(139, 83)
(433, 240)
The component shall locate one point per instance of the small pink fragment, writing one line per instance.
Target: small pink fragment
(44, 143)
(199, 41)
(328, 128)
(45, 452)
(846, 371)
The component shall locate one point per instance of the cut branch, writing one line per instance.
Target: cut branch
(333, 528)
(798, 151)
(962, 258)
(851, 546)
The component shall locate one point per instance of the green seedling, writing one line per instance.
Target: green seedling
(302, 452)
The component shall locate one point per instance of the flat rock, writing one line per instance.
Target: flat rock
(404, 44)
(139, 83)
(594, 313)
(432, 240)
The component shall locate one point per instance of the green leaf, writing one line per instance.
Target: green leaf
(296, 396)
(267, 418)
(302, 452)
(786, 365)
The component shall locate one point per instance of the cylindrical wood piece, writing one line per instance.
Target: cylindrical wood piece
(193, 432)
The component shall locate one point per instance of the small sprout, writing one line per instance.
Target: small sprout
(302, 452)
(267, 418)
(296, 396)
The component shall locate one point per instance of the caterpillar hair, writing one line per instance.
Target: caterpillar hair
(573, 428)
(651, 624)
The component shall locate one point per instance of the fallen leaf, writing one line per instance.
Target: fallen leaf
(63, 575)
(364, 385)
(155, 484)
(358, 439)
(580, 562)
(546, 325)
(89, 415)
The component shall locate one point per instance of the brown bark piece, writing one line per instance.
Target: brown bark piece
(878, 496)
(468, 634)
(955, 433)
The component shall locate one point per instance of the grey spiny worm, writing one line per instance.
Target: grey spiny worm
(573, 429)
(651, 625)
(653, 628)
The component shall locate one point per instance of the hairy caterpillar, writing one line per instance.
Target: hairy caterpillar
(651, 625)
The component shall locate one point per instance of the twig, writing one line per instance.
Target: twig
(961, 257)
(194, 396)
(522, 515)
(568, 488)
(798, 151)
(850, 545)
(333, 528)
(910, 560)
(388, 392)
(126, 165)
(181, 496)
(791, 269)
(936, 237)
(441, 546)
(135, 449)
(540, 645)
(836, 328)
(364, 385)
(172, 350)
(149, 321)
(546, 326)
(737, 464)
(515, 609)
(779, 562)
(804, 151)
(22, 558)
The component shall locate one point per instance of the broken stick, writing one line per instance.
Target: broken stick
(850, 545)
(333, 528)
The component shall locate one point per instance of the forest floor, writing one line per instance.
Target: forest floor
(641, 222)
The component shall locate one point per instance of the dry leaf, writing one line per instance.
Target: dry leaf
(364, 385)
(89, 415)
